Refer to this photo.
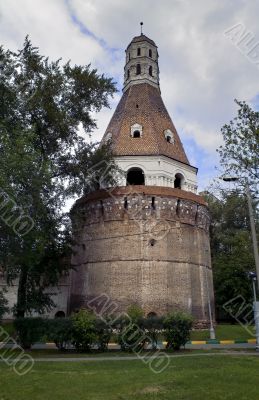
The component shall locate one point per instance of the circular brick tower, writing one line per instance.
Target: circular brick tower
(145, 241)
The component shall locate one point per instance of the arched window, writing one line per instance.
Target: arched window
(128, 74)
(138, 69)
(136, 130)
(152, 314)
(150, 53)
(60, 314)
(135, 176)
(150, 71)
(139, 51)
(178, 181)
(136, 134)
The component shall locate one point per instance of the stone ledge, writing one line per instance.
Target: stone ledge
(141, 189)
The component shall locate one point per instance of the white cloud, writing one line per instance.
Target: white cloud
(201, 70)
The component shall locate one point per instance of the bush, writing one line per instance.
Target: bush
(84, 333)
(104, 333)
(153, 327)
(177, 327)
(131, 335)
(60, 331)
(30, 330)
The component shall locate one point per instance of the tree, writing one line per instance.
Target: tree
(231, 248)
(3, 305)
(43, 162)
(240, 152)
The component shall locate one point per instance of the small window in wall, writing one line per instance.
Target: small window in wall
(169, 136)
(136, 130)
(150, 53)
(138, 69)
(139, 51)
(178, 181)
(135, 176)
(150, 71)
(128, 74)
(129, 56)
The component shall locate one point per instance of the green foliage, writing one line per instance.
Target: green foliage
(3, 304)
(135, 312)
(240, 151)
(60, 331)
(103, 333)
(43, 162)
(177, 328)
(231, 248)
(30, 330)
(131, 335)
(153, 326)
(84, 331)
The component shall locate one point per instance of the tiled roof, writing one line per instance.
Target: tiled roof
(141, 38)
(142, 104)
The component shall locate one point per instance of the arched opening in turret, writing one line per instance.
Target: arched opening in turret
(138, 69)
(136, 134)
(135, 176)
(139, 51)
(150, 71)
(60, 314)
(150, 53)
(128, 73)
(178, 181)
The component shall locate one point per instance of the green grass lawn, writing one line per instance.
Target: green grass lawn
(228, 332)
(213, 377)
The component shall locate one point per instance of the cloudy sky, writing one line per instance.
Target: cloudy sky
(204, 63)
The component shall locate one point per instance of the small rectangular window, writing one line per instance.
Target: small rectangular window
(139, 50)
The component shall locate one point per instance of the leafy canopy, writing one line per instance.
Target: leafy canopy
(43, 162)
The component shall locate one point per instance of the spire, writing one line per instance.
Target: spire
(141, 62)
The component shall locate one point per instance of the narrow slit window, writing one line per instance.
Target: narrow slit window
(139, 51)
(138, 70)
(150, 70)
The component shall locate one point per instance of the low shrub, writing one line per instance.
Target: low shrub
(84, 333)
(177, 328)
(30, 330)
(131, 335)
(103, 333)
(60, 331)
(153, 327)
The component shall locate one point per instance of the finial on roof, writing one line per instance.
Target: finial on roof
(141, 26)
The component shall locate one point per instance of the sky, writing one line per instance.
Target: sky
(207, 56)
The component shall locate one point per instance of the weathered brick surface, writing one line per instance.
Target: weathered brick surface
(133, 253)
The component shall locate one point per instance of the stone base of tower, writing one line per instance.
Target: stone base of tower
(144, 245)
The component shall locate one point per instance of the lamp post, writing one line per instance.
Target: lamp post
(255, 247)
(212, 330)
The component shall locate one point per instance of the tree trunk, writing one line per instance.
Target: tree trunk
(21, 296)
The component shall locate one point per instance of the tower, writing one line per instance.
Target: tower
(146, 241)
